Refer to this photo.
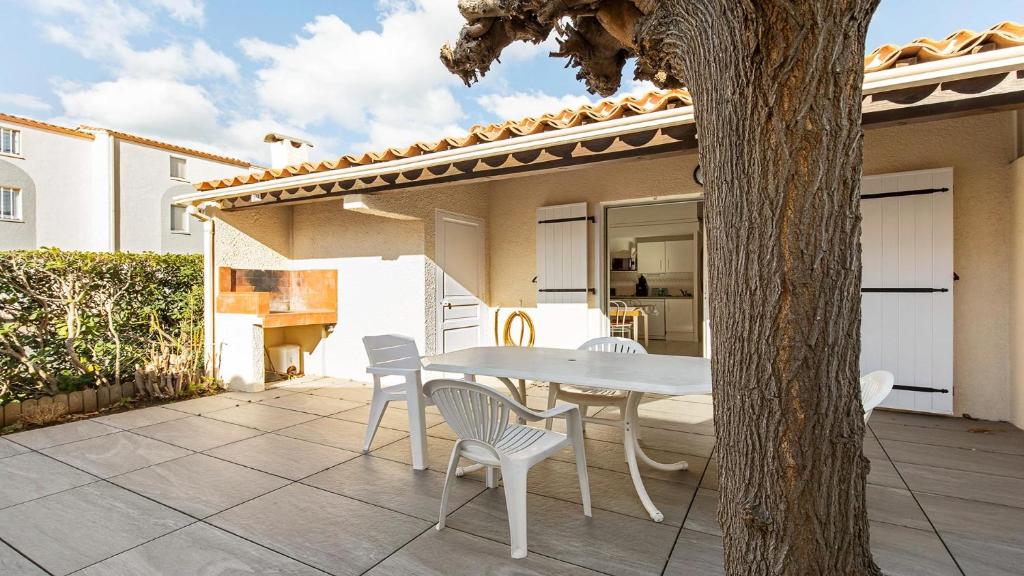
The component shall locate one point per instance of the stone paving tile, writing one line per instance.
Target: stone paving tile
(895, 506)
(71, 530)
(262, 417)
(986, 539)
(1005, 441)
(883, 416)
(41, 438)
(703, 515)
(267, 394)
(902, 551)
(199, 549)
(29, 476)
(333, 533)
(696, 554)
(961, 484)
(138, 418)
(612, 456)
(199, 485)
(340, 434)
(612, 491)
(115, 454)
(439, 451)
(204, 405)
(8, 448)
(395, 486)
(197, 433)
(15, 564)
(608, 542)
(353, 393)
(394, 418)
(319, 405)
(449, 552)
(287, 457)
(970, 460)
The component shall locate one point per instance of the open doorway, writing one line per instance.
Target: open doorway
(654, 270)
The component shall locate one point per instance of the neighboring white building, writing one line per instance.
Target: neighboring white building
(96, 189)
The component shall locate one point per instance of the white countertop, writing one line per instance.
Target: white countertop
(655, 373)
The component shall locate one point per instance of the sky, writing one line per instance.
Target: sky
(349, 75)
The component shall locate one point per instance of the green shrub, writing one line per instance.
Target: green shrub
(72, 320)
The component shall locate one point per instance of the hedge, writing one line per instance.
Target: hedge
(76, 320)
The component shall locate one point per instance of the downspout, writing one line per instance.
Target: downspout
(210, 288)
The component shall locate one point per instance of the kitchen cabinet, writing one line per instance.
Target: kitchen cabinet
(679, 319)
(650, 257)
(679, 256)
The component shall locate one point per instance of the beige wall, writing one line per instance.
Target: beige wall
(978, 148)
(1016, 215)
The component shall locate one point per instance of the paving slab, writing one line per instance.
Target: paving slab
(32, 475)
(197, 433)
(895, 506)
(283, 456)
(335, 534)
(269, 393)
(395, 486)
(8, 449)
(696, 554)
(703, 515)
(199, 485)
(984, 538)
(902, 551)
(393, 418)
(204, 405)
(612, 456)
(612, 491)
(15, 564)
(199, 550)
(107, 456)
(41, 438)
(608, 542)
(450, 552)
(143, 417)
(993, 440)
(971, 460)
(74, 529)
(962, 484)
(340, 434)
(262, 417)
(319, 405)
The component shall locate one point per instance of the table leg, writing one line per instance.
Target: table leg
(636, 328)
(647, 326)
(417, 422)
(634, 451)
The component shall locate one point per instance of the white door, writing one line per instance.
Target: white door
(460, 281)
(907, 286)
(563, 284)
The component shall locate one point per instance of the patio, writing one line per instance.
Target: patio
(273, 482)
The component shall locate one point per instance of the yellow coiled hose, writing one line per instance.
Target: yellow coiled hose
(525, 324)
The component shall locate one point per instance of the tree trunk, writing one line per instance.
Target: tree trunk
(777, 90)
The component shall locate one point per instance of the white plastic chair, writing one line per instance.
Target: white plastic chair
(874, 387)
(480, 418)
(398, 356)
(585, 397)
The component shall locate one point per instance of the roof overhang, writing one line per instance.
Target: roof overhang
(984, 81)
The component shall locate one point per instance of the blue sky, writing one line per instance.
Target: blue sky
(350, 75)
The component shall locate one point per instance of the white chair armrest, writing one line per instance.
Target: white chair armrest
(381, 371)
(560, 411)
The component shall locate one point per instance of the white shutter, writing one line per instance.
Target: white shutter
(562, 254)
(907, 298)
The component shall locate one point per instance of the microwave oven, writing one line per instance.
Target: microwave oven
(623, 265)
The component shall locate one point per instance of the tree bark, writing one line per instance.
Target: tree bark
(777, 91)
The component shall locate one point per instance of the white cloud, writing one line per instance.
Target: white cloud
(23, 101)
(520, 105)
(391, 80)
(184, 10)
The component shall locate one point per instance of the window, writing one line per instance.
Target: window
(10, 141)
(10, 204)
(178, 168)
(179, 220)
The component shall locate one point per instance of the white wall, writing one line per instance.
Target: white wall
(61, 167)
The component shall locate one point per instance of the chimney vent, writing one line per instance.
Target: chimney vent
(287, 150)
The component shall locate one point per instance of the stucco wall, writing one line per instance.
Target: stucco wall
(979, 149)
(61, 168)
(1016, 215)
(145, 188)
(18, 235)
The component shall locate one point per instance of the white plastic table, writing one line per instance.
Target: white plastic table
(635, 373)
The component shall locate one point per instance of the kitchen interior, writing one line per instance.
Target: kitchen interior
(654, 263)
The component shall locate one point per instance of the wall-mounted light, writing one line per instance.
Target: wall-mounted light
(698, 176)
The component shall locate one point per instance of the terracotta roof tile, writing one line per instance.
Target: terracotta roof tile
(12, 119)
(1003, 35)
